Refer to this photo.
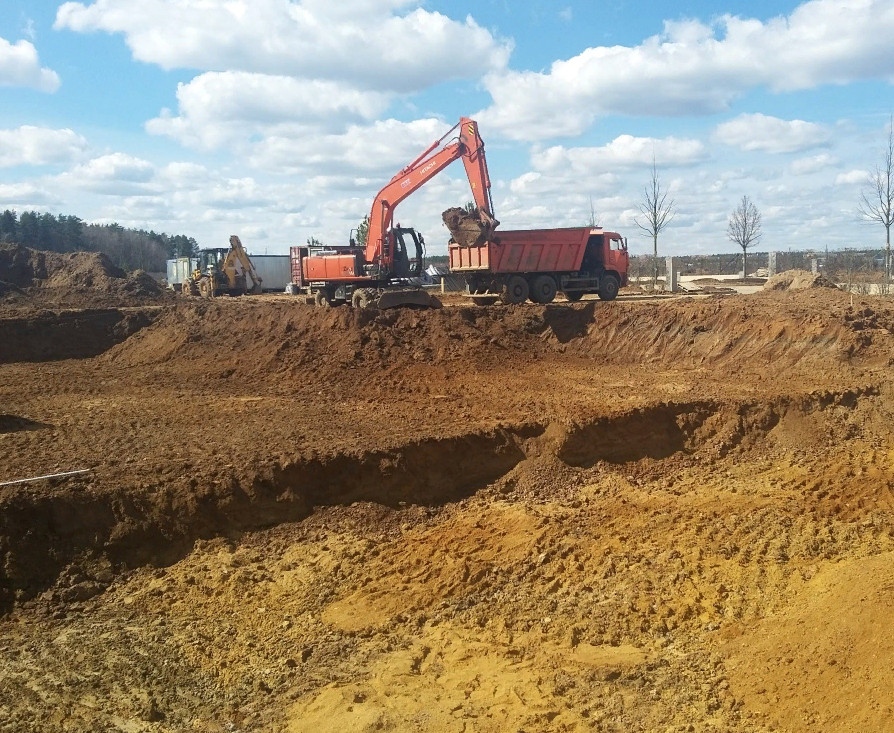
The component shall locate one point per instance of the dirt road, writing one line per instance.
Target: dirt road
(634, 516)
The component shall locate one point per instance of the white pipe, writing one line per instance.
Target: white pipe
(50, 475)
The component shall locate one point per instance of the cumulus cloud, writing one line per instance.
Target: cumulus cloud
(697, 68)
(382, 148)
(813, 164)
(851, 177)
(216, 108)
(368, 44)
(116, 174)
(28, 145)
(623, 151)
(770, 134)
(26, 194)
(20, 67)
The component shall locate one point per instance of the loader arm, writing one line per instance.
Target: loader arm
(238, 254)
(468, 145)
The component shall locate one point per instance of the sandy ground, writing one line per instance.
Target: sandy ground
(668, 515)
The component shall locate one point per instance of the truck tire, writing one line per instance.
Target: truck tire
(543, 289)
(608, 290)
(515, 290)
(574, 295)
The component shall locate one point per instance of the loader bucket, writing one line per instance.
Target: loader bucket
(469, 229)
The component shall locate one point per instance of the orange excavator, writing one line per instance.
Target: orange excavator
(378, 274)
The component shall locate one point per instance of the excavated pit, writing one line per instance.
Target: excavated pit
(572, 517)
(41, 534)
(73, 334)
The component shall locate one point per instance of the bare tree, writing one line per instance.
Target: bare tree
(658, 213)
(877, 199)
(594, 216)
(745, 228)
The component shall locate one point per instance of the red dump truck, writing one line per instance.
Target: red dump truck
(514, 266)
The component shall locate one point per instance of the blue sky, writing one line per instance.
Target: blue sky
(280, 119)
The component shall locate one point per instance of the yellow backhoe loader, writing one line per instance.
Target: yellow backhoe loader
(223, 272)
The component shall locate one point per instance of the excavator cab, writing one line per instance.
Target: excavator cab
(402, 239)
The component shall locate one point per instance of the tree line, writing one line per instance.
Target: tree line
(129, 249)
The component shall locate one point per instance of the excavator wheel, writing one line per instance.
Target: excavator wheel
(364, 298)
(321, 299)
(206, 289)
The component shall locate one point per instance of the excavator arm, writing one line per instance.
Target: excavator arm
(468, 145)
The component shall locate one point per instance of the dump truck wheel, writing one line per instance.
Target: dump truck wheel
(515, 290)
(543, 289)
(574, 296)
(609, 288)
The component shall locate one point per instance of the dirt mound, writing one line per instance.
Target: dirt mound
(281, 341)
(74, 279)
(734, 333)
(284, 340)
(469, 229)
(798, 280)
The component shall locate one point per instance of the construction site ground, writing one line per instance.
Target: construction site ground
(668, 515)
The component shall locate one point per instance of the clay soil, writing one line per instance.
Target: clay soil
(671, 515)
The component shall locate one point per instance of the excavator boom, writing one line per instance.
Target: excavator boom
(467, 145)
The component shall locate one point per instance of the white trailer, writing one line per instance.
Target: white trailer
(275, 271)
(179, 271)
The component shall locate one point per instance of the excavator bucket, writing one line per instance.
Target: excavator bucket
(469, 229)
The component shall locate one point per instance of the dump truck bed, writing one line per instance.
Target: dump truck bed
(524, 250)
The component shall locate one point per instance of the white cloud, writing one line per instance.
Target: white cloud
(813, 164)
(20, 67)
(381, 149)
(217, 108)
(115, 174)
(851, 177)
(27, 195)
(29, 145)
(366, 44)
(623, 151)
(695, 68)
(770, 134)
